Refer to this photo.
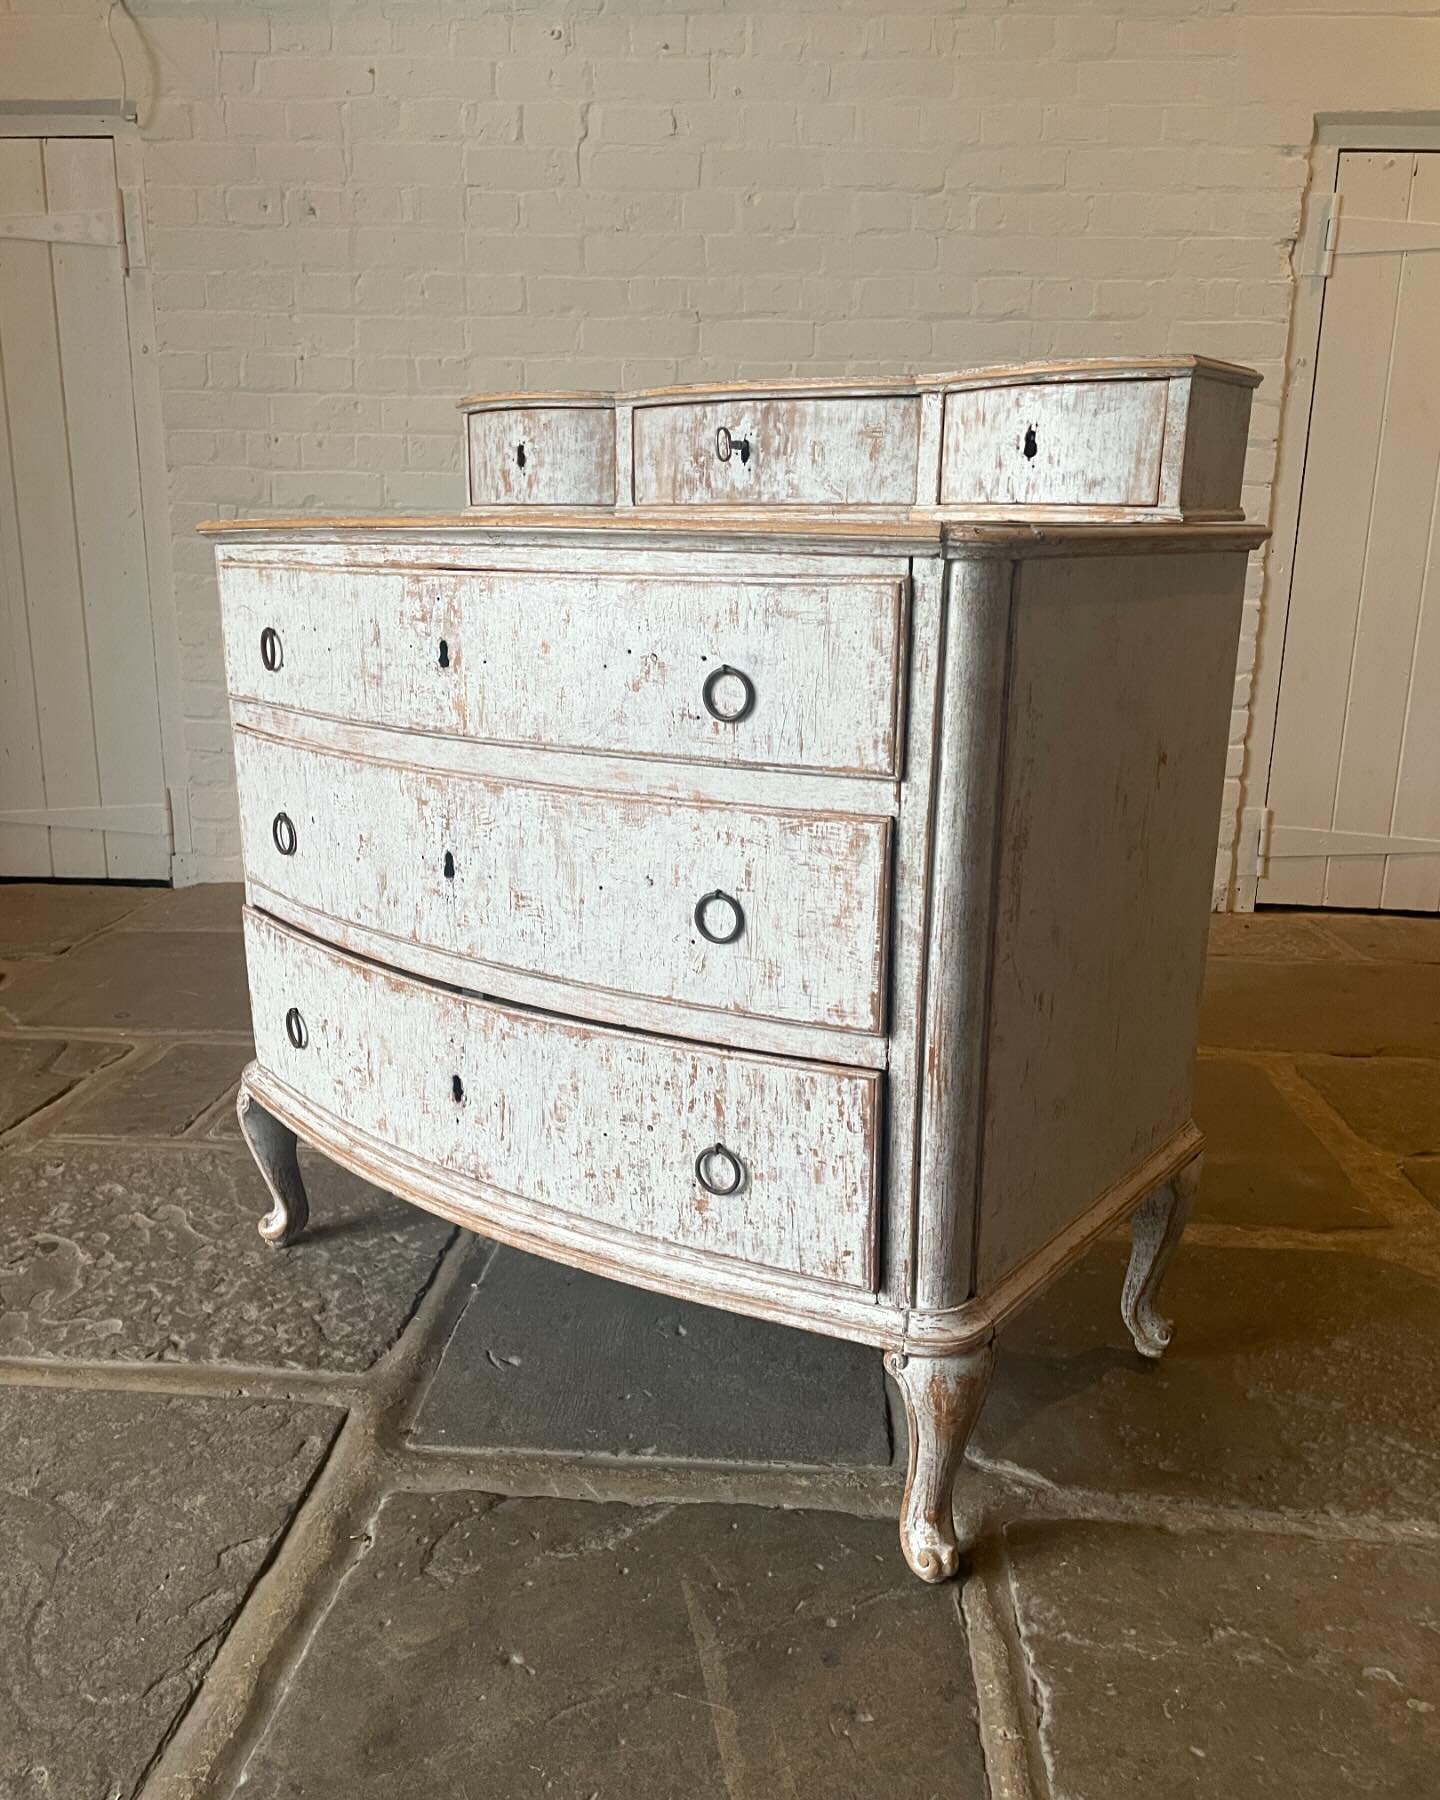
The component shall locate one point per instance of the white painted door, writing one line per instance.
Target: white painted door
(1354, 793)
(82, 789)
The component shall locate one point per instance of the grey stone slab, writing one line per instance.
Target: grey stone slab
(162, 1098)
(42, 918)
(139, 981)
(1263, 1164)
(1275, 937)
(1345, 1009)
(211, 906)
(35, 1071)
(1391, 1101)
(527, 1649)
(1305, 1381)
(133, 1528)
(545, 1357)
(151, 1255)
(1424, 1171)
(1235, 1667)
(1387, 937)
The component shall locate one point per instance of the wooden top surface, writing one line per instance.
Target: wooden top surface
(1109, 368)
(903, 533)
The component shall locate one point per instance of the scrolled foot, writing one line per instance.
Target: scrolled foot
(943, 1396)
(273, 1147)
(1155, 1230)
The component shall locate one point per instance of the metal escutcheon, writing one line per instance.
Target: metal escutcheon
(296, 1029)
(283, 832)
(717, 1153)
(703, 904)
(747, 695)
(272, 652)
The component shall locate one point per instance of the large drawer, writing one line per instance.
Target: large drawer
(748, 450)
(609, 891)
(541, 454)
(1075, 443)
(612, 1126)
(783, 671)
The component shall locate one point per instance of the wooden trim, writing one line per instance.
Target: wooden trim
(589, 399)
(941, 1331)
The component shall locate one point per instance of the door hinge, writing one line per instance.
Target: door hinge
(1252, 855)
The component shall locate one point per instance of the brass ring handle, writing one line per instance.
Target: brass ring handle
(272, 651)
(296, 1029)
(283, 832)
(703, 904)
(747, 698)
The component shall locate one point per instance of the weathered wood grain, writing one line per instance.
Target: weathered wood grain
(1086, 442)
(590, 888)
(541, 456)
(577, 1118)
(584, 659)
(840, 452)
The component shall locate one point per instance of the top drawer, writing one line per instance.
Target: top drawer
(764, 670)
(1094, 443)
(751, 451)
(541, 454)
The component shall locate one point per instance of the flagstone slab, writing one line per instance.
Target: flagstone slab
(538, 1648)
(123, 1252)
(185, 982)
(134, 1526)
(1392, 1102)
(36, 1071)
(161, 1098)
(42, 918)
(1335, 1008)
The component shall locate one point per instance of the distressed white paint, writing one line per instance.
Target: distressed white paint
(1092, 442)
(578, 1118)
(582, 658)
(541, 455)
(590, 888)
(781, 452)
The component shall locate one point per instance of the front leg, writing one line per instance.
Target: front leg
(273, 1147)
(1155, 1230)
(943, 1397)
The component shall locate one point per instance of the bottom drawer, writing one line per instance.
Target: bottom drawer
(773, 1162)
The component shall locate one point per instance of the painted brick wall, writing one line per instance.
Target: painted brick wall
(360, 209)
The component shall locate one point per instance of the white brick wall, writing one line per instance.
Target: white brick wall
(360, 209)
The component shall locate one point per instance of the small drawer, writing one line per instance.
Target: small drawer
(769, 1161)
(752, 451)
(1062, 443)
(762, 670)
(770, 915)
(545, 455)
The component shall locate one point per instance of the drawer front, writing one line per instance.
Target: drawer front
(601, 1123)
(542, 456)
(756, 452)
(604, 890)
(1081, 443)
(787, 672)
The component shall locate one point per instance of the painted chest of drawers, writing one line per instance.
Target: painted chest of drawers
(763, 851)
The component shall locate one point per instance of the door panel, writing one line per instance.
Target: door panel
(82, 788)
(1355, 777)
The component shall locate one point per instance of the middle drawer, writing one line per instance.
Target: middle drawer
(773, 915)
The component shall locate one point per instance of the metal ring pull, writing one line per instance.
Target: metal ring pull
(727, 445)
(296, 1029)
(728, 1158)
(703, 904)
(272, 651)
(283, 832)
(747, 695)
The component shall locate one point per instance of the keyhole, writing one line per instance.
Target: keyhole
(449, 866)
(457, 1088)
(444, 654)
(1032, 449)
(520, 456)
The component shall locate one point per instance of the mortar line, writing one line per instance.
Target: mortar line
(1001, 1676)
(218, 1381)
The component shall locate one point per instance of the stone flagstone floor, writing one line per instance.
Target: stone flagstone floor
(396, 1514)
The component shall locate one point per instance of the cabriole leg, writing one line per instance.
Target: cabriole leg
(1155, 1230)
(943, 1397)
(273, 1147)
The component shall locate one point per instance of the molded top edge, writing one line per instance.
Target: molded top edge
(1112, 368)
